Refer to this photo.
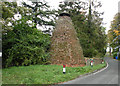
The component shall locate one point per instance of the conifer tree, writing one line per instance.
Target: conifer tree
(41, 14)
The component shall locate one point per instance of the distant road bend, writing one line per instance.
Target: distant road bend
(107, 76)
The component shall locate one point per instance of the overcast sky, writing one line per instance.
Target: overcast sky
(109, 7)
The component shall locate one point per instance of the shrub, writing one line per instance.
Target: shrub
(25, 45)
(114, 54)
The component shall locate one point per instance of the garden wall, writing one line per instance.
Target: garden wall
(95, 60)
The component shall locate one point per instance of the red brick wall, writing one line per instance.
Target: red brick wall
(65, 46)
(95, 60)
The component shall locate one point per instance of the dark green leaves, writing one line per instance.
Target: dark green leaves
(25, 45)
(88, 27)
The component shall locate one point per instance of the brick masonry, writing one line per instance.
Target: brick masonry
(65, 46)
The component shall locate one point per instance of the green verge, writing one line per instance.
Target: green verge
(44, 74)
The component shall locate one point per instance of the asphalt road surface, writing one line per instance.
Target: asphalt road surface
(107, 76)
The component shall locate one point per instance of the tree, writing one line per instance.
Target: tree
(88, 26)
(114, 33)
(25, 45)
(41, 14)
(22, 44)
(9, 9)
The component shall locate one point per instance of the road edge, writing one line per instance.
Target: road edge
(96, 71)
(89, 74)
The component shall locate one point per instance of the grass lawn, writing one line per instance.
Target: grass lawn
(43, 74)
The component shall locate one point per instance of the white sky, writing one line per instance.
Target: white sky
(109, 7)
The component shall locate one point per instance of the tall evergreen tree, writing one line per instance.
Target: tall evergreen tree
(88, 26)
(41, 14)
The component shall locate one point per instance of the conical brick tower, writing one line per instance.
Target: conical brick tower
(65, 47)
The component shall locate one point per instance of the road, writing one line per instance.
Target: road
(106, 76)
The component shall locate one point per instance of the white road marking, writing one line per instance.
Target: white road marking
(0, 54)
(95, 72)
(102, 69)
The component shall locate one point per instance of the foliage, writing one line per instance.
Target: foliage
(113, 33)
(9, 9)
(114, 54)
(41, 14)
(24, 45)
(115, 23)
(115, 26)
(89, 27)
